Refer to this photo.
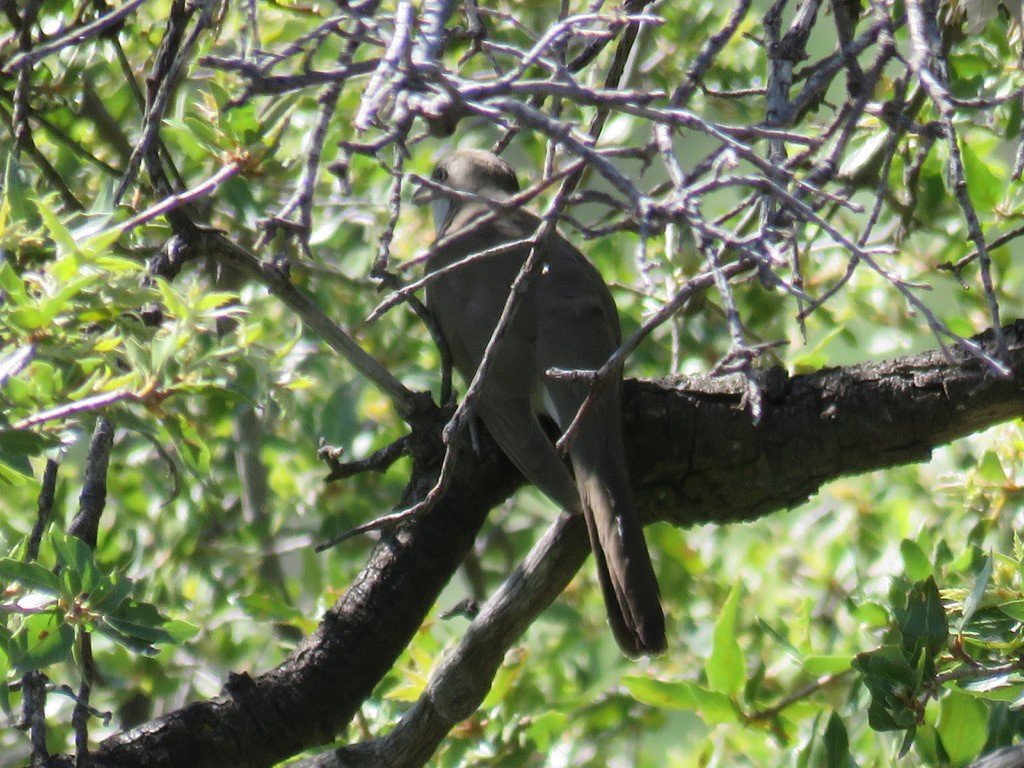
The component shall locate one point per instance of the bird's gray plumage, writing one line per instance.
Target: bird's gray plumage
(566, 319)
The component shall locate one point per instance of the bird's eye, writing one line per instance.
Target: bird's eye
(440, 175)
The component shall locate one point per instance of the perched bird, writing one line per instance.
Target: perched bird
(565, 319)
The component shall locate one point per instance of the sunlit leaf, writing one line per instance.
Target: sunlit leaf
(961, 726)
(726, 668)
(43, 639)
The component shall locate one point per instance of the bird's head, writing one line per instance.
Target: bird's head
(474, 171)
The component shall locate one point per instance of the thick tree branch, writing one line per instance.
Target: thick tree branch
(310, 698)
(815, 428)
(696, 457)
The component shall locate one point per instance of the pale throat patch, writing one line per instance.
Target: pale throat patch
(440, 207)
(550, 407)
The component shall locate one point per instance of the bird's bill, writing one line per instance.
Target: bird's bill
(423, 195)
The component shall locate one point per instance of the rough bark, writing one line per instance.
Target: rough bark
(696, 458)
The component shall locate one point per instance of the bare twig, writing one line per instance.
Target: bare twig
(70, 37)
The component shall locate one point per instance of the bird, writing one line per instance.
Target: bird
(565, 319)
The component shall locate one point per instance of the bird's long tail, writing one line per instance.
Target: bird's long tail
(624, 567)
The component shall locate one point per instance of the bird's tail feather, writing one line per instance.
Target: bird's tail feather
(624, 566)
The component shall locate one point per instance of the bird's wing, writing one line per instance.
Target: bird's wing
(513, 424)
(578, 329)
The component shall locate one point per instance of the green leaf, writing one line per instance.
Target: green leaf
(999, 689)
(659, 693)
(908, 740)
(94, 242)
(977, 594)
(66, 267)
(179, 631)
(1014, 609)
(12, 285)
(886, 667)
(26, 442)
(872, 614)
(984, 183)
(173, 303)
(712, 706)
(56, 228)
(17, 445)
(51, 306)
(110, 594)
(726, 669)
(193, 451)
(837, 744)
(927, 745)
(140, 621)
(827, 665)
(216, 300)
(79, 560)
(278, 111)
(339, 417)
(924, 624)
(916, 563)
(1013, 119)
(264, 607)
(71, 550)
(164, 348)
(117, 264)
(16, 194)
(14, 476)
(865, 158)
(105, 628)
(240, 123)
(892, 681)
(547, 728)
(5, 666)
(27, 318)
(882, 717)
(207, 134)
(778, 637)
(962, 726)
(990, 469)
(33, 576)
(44, 639)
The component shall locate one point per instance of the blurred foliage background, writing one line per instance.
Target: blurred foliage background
(766, 618)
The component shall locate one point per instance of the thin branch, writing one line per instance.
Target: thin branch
(406, 402)
(929, 64)
(84, 405)
(175, 201)
(463, 677)
(68, 38)
(617, 360)
(708, 53)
